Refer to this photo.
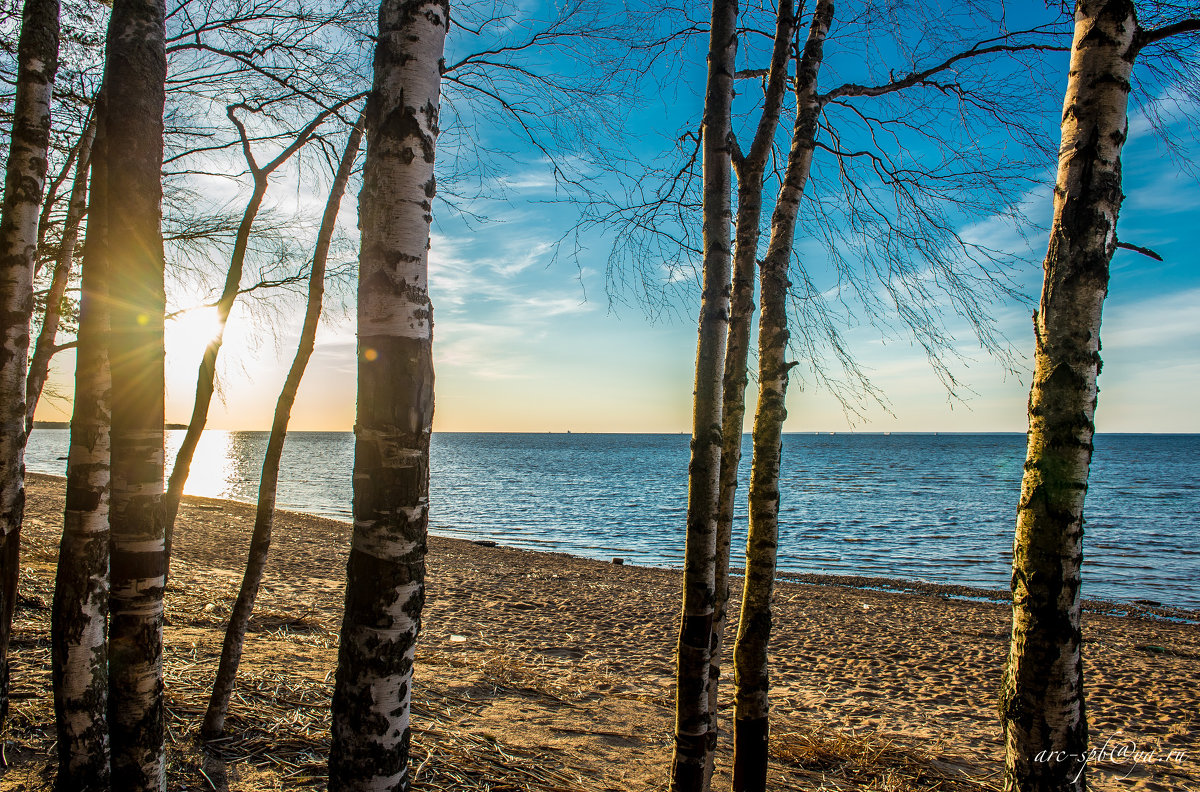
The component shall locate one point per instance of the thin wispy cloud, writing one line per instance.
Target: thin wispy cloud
(488, 351)
(1155, 326)
(1167, 192)
(535, 254)
(529, 181)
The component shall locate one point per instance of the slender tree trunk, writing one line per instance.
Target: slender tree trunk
(52, 191)
(733, 413)
(260, 541)
(80, 611)
(385, 574)
(206, 376)
(24, 181)
(1041, 700)
(135, 71)
(44, 349)
(750, 170)
(693, 718)
(751, 714)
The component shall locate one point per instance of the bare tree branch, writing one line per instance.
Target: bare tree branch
(1138, 249)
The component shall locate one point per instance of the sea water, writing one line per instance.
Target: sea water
(938, 508)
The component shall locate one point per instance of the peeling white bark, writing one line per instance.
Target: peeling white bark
(386, 546)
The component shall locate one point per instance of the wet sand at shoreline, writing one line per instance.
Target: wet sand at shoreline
(545, 671)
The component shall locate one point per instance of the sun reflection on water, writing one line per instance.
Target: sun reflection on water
(214, 472)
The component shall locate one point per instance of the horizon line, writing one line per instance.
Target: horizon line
(178, 427)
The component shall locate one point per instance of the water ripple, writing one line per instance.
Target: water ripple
(939, 508)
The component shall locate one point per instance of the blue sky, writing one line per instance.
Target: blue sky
(526, 338)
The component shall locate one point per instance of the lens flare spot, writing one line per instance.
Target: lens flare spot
(370, 354)
(143, 319)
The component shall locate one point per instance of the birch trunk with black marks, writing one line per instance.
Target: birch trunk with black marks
(385, 574)
(1041, 700)
(260, 540)
(750, 170)
(135, 71)
(80, 611)
(44, 349)
(24, 183)
(693, 717)
(206, 375)
(751, 679)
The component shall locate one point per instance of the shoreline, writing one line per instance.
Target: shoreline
(910, 524)
(1139, 608)
(565, 666)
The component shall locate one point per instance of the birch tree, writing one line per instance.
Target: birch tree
(754, 623)
(206, 375)
(79, 650)
(135, 71)
(80, 149)
(45, 348)
(385, 574)
(931, 241)
(693, 719)
(887, 220)
(260, 540)
(750, 170)
(1042, 696)
(915, 224)
(24, 182)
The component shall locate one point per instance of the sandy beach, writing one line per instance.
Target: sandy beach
(542, 671)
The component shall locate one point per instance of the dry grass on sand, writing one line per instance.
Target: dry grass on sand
(540, 671)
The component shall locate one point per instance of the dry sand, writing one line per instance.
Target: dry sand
(542, 671)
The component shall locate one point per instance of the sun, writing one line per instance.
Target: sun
(188, 333)
(195, 326)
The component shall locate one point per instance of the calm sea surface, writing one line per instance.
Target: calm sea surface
(939, 508)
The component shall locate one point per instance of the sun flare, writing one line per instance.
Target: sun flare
(187, 335)
(195, 326)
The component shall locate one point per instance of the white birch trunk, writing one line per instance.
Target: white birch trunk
(385, 589)
(24, 183)
(750, 171)
(135, 72)
(693, 718)
(751, 677)
(260, 540)
(1041, 700)
(80, 612)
